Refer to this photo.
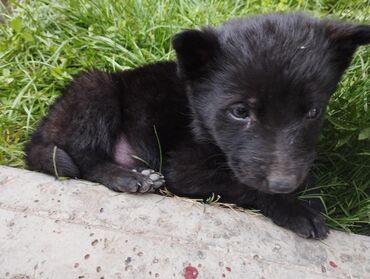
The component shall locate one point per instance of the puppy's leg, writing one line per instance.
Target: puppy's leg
(55, 161)
(121, 179)
(291, 213)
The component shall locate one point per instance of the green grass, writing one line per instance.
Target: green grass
(44, 43)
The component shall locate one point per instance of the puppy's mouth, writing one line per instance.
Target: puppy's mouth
(265, 188)
(273, 185)
(280, 191)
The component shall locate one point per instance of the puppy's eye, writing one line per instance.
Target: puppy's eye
(239, 112)
(313, 113)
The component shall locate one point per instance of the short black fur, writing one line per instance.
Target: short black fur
(238, 115)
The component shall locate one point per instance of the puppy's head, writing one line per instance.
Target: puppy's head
(258, 89)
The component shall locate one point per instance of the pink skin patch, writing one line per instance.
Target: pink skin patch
(190, 272)
(123, 153)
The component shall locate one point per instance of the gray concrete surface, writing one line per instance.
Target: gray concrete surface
(75, 229)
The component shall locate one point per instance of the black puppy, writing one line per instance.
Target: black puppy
(238, 115)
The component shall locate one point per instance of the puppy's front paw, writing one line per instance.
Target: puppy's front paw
(149, 181)
(301, 219)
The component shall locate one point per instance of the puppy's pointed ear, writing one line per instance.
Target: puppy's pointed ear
(344, 39)
(195, 49)
(348, 33)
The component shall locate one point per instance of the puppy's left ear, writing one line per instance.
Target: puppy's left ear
(195, 49)
(348, 33)
(344, 39)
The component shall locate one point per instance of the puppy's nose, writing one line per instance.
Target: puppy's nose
(282, 183)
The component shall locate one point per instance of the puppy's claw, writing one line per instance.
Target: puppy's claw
(152, 179)
(146, 172)
(154, 176)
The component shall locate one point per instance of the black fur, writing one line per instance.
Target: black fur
(238, 115)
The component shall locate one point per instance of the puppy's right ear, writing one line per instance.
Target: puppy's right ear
(195, 49)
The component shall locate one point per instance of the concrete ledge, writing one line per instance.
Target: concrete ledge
(76, 229)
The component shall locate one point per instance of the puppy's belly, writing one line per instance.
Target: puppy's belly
(123, 153)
